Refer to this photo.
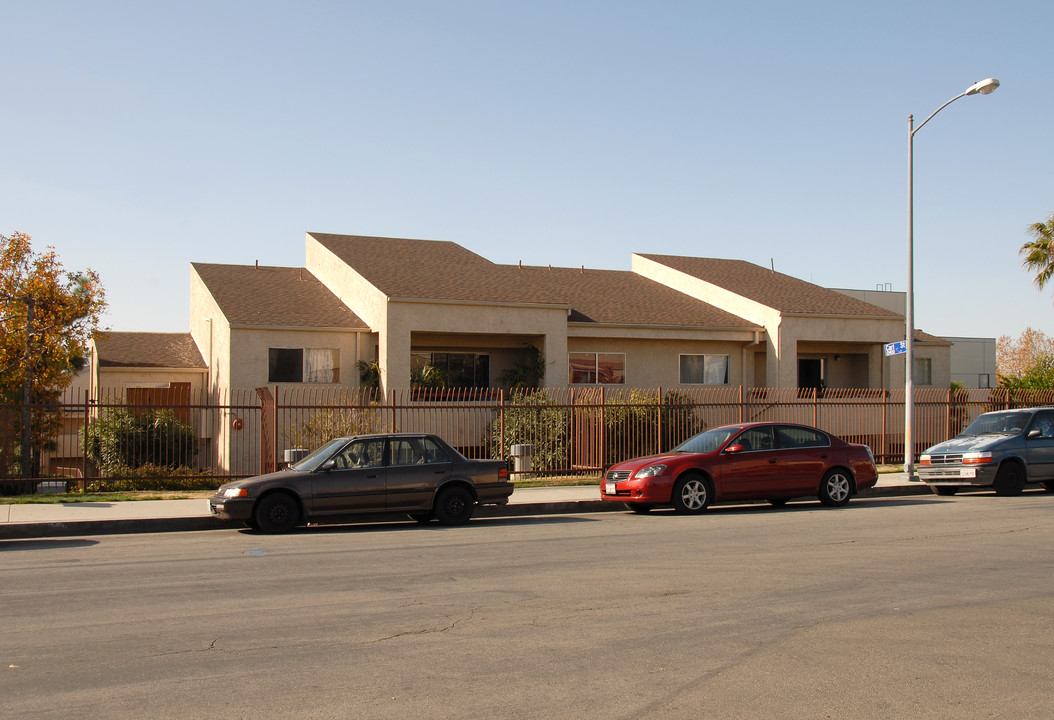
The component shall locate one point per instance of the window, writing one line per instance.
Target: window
(759, 438)
(923, 374)
(799, 437)
(983, 379)
(307, 365)
(417, 451)
(704, 369)
(597, 368)
(450, 370)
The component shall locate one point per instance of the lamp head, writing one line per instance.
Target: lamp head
(984, 87)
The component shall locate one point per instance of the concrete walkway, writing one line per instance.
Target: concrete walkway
(99, 518)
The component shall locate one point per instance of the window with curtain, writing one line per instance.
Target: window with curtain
(704, 369)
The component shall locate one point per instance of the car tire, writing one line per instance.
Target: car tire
(277, 513)
(836, 488)
(691, 495)
(454, 506)
(944, 489)
(639, 508)
(1010, 480)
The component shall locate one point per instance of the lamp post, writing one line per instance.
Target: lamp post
(984, 87)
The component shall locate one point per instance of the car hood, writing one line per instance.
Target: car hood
(969, 443)
(643, 462)
(263, 479)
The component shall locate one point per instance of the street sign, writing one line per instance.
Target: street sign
(896, 348)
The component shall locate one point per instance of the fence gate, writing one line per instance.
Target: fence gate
(587, 429)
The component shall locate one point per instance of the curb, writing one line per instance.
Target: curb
(25, 531)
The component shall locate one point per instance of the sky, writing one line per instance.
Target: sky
(139, 137)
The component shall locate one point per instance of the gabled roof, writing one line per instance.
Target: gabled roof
(444, 271)
(148, 349)
(275, 297)
(784, 293)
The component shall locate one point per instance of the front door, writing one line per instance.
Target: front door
(354, 483)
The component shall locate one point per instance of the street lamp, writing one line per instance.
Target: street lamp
(984, 87)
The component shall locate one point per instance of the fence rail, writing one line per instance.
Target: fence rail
(121, 440)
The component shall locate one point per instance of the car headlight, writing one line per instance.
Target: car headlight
(235, 492)
(651, 471)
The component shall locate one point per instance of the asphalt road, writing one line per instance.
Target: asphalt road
(918, 607)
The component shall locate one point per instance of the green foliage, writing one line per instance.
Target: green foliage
(121, 440)
(1039, 376)
(331, 423)
(633, 425)
(369, 374)
(532, 417)
(526, 375)
(1039, 254)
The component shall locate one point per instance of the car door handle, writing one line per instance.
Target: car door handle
(773, 461)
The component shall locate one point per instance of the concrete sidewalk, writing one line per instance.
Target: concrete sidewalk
(68, 519)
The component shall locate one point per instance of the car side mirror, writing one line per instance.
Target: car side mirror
(1034, 433)
(734, 449)
(328, 465)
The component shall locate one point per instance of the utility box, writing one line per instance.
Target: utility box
(521, 458)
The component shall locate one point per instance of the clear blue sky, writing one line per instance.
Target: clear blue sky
(139, 137)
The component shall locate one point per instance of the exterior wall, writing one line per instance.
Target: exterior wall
(973, 360)
(655, 362)
(249, 353)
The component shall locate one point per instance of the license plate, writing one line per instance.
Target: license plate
(609, 488)
(968, 473)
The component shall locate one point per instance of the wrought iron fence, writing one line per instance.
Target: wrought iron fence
(121, 440)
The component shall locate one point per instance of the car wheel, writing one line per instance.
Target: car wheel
(836, 488)
(639, 508)
(425, 517)
(778, 502)
(454, 506)
(1010, 480)
(944, 489)
(691, 495)
(277, 513)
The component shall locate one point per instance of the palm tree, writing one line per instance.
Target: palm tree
(1039, 254)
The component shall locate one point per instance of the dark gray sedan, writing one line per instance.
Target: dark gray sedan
(413, 474)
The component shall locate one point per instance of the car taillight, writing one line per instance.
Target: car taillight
(503, 473)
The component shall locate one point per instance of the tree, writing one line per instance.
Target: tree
(1014, 358)
(1039, 254)
(47, 316)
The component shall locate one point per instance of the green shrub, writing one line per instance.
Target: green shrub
(121, 440)
(533, 417)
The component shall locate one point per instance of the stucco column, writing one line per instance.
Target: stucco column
(555, 353)
(394, 359)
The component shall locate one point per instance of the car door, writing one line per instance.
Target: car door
(417, 466)
(353, 481)
(1039, 447)
(804, 455)
(751, 470)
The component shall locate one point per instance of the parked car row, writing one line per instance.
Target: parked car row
(422, 476)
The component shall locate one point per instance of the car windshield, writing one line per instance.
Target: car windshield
(312, 461)
(708, 441)
(998, 423)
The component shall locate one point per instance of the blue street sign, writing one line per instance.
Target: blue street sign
(896, 348)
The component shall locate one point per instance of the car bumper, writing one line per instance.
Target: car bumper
(649, 490)
(494, 493)
(957, 475)
(239, 509)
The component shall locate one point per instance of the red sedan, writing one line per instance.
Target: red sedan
(752, 461)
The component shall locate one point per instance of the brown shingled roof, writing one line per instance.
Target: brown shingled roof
(148, 349)
(275, 296)
(781, 292)
(433, 270)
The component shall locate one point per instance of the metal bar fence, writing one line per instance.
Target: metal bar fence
(109, 442)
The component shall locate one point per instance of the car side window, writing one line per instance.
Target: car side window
(759, 438)
(799, 437)
(1044, 422)
(361, 454)
(434, 453)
